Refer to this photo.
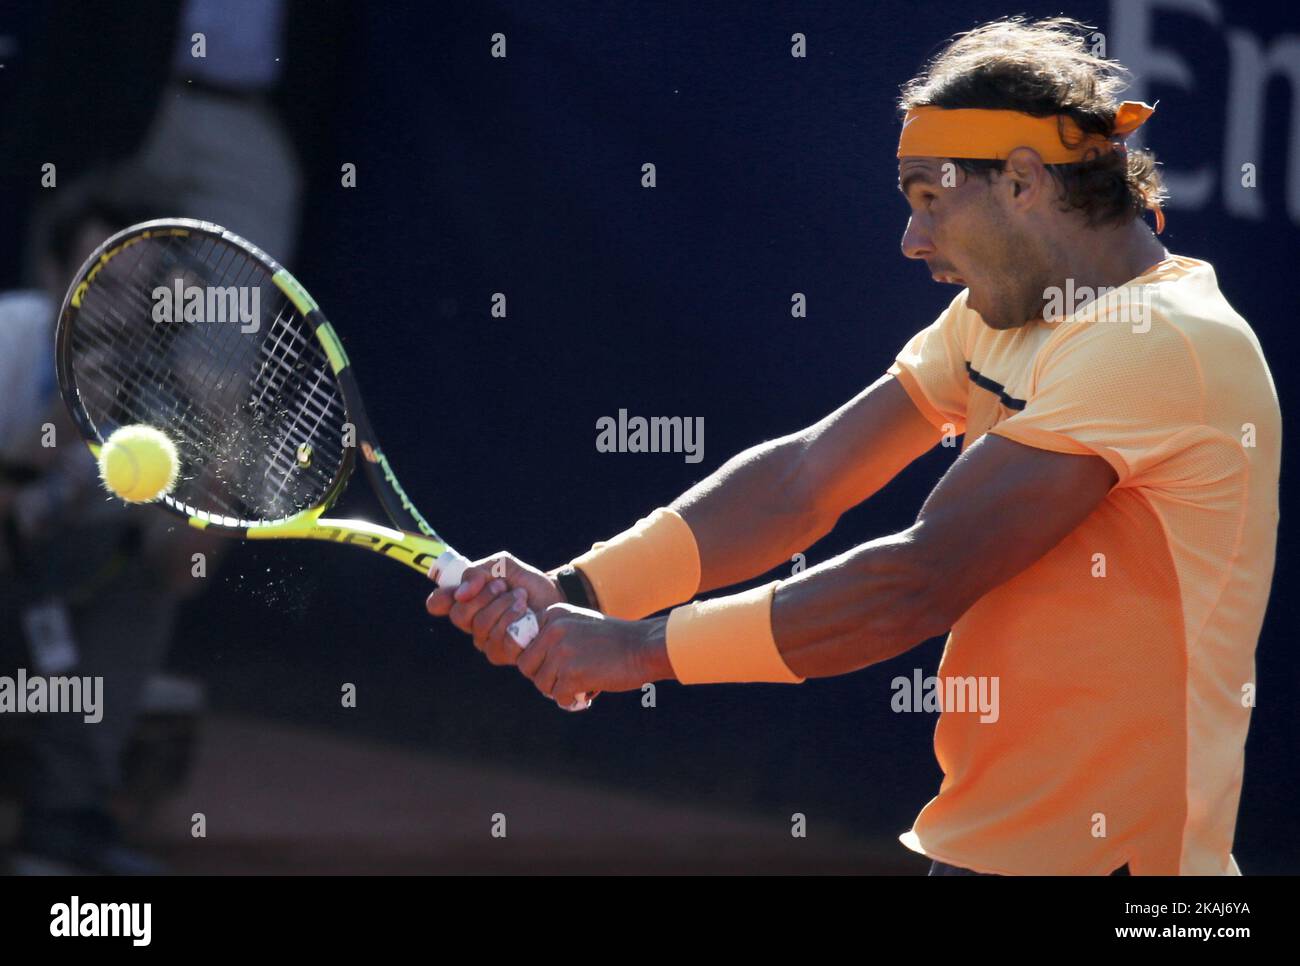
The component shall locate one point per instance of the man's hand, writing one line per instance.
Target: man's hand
(582, 652)
(494, 593)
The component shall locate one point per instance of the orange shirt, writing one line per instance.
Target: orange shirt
(1125, 656)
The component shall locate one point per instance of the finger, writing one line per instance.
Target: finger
(567, 690)
(544, 678)
(463, 612)
(530, 658)
(472, 582)
(554, 666)
(484, 623)
(440, 601)
(500, 644)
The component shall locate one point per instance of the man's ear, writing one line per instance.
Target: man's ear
(1026, 174)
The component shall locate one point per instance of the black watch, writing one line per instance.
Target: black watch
(571, 586)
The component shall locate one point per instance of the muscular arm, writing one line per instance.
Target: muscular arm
(781, 496)
(759, 508)
(999, 509)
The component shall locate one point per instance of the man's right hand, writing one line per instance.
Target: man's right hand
(494, 593)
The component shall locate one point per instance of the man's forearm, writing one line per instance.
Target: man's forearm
(779, 497)
(860, 608)
(753, 513)
(864, 606)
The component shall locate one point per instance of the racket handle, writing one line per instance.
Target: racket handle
(450, 567)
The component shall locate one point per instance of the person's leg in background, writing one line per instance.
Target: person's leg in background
(217, 152)
(119, 626)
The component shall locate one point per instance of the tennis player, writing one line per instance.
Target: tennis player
(1102, 548)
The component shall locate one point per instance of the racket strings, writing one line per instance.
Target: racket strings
(282, 360)
(257, 416)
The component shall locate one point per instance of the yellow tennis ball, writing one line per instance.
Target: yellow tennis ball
(139, 463)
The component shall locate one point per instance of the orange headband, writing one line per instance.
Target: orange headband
(937, 132)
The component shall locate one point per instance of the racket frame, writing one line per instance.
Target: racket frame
(412, 542)
(415, 544)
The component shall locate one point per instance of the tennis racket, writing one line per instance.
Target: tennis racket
(186, 327)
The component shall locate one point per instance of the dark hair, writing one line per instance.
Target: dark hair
(1044, 68)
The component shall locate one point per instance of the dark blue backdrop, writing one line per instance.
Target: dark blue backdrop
(775, 175)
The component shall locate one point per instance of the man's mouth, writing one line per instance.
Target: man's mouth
(949, 279)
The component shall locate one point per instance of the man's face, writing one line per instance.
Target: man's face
(961, 227)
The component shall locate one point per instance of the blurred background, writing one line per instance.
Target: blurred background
(473, 175)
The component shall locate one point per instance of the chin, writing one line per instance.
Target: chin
(973, 302)
(994, 318)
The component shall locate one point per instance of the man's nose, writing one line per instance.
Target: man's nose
(916, 240)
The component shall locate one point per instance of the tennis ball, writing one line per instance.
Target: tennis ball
(139, 463)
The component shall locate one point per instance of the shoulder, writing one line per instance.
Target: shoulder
(1124, 352)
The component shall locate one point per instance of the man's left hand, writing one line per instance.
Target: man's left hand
(582, 652)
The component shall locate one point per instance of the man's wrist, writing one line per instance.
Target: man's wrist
(585, 595)
(652, 656)
(590, 590)
(727, 640)
(653, 565)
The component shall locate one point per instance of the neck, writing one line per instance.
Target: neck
(1096, 258)
(1109, 256)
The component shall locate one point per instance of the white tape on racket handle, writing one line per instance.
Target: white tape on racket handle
(450, 567)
